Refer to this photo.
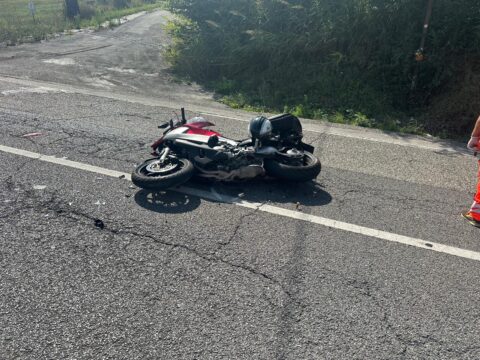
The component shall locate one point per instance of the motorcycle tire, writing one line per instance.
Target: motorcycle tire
(182, 171)
(307, 171)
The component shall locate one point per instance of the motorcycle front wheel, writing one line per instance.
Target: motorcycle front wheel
(155, 175)
(298, 170)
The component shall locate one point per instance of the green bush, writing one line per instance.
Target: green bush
(335, 55)
(86, 11)
(120, 4)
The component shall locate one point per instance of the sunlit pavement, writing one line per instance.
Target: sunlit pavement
(92, 267)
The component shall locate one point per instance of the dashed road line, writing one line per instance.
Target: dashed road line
(215, 196)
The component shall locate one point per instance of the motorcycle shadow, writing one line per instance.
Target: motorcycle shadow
(273, 191)
(270, 190)
(168, 202)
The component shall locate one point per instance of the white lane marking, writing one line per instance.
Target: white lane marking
(31, 90)
(121, 70)
(321, 128)
(215, 196)
(60, 61)
(219, 197)
(65, 162)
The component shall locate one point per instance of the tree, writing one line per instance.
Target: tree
(71, 9)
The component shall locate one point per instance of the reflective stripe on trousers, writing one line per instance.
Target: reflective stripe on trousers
(475, 209)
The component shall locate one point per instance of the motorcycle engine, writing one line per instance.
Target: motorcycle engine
(239, 167)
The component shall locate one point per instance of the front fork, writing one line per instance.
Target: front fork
(164, 155)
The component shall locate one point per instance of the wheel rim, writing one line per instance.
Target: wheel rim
(156, 168)
(305, 160)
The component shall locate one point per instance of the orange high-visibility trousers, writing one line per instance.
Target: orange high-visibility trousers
(475, 209)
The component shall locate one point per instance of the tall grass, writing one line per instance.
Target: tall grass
(16, 22)
(18, 25)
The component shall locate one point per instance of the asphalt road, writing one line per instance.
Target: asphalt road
(93, 268)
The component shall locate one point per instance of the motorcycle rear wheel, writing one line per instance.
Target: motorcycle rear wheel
(153, 175)
(305, 170)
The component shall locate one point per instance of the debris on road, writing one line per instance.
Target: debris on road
(100, 203)
(30, 135)
(99, 223)
(121, 177)
(39, 187)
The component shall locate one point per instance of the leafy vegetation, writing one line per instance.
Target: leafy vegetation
(348, 61)
(18, 25)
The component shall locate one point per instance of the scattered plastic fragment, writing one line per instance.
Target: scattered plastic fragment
(99, 223)
(100, 203)
(39, 187)
(241, 195)
(30, 135)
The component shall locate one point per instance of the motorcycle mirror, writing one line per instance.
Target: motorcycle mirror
(184, 119)
(212, 141)
(164, 125)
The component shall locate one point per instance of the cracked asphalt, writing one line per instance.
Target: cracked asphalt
(93, 268)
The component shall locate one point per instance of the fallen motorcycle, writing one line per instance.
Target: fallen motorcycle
(188, 147)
